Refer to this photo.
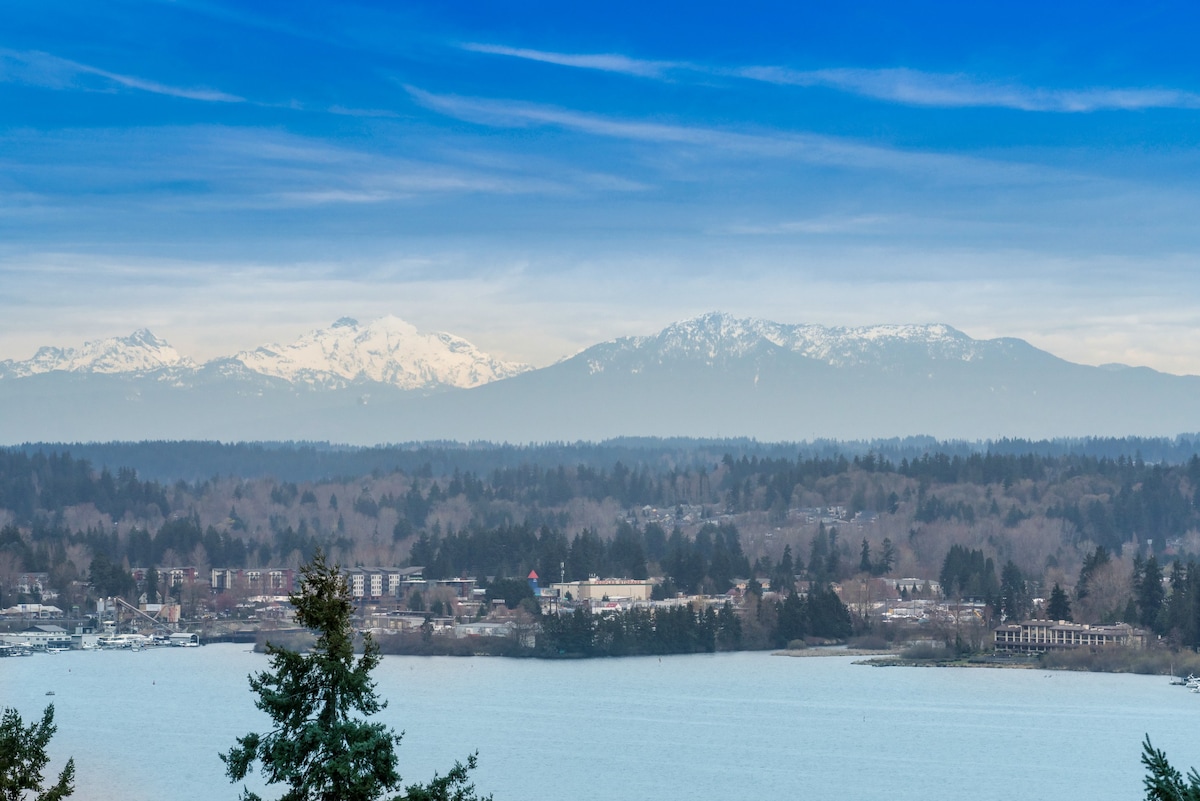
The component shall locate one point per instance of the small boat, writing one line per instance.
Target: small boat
(49, 692)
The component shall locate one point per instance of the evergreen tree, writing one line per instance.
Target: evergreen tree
(1091, 563)
(316, 748)
(784, 576)
(152, 585)
(1165, 783)
(416, 603)
(818, 554)
(827, 616)
(1059, 607)
(1014, 597)
(1150, 595)
(833, 563)
(791, 623)
(1181, 604)
(23, 758)
(887, 559)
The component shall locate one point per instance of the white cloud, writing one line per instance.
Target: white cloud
(223, 168)
(361, 112)
(43, 69)
(917, 88)
(893, 85)
(812, 148)
(604, 62)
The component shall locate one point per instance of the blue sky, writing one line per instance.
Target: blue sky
(536, 177)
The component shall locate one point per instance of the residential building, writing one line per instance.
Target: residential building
(254, 581)
(378, 582)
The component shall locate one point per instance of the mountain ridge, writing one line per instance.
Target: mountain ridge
(836, 346)
(391, 351)
(715, 375)
(387, 351)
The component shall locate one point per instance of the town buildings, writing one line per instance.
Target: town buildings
(609, 589)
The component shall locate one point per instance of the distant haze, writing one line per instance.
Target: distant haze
(711, 376)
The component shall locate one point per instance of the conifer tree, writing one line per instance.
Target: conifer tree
(23, 758)
(1163, 782)
(316, 748)
(1059, 607)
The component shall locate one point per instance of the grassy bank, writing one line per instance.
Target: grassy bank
(1152, 662)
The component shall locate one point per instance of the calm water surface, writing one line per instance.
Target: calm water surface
(149, 725)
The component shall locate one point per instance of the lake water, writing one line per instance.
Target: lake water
(149, 725)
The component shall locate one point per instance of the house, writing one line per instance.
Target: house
(34, 584)
(32, 610)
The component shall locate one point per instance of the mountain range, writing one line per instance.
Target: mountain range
(714, 375)
(388, 351)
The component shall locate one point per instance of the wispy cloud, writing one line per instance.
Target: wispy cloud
(893, 85)
(605, 62)
(43, 69)
(812, 148)
(361, 112)
(204, 169)
(917, 88)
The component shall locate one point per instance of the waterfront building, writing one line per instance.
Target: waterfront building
(39, 638)
(1039, 636)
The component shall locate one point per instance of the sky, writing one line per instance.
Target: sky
(538, 177)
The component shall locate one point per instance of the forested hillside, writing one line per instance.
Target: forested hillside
(1104, 529)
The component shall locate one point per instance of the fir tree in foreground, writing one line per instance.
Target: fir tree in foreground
(1165, 783)
(316, 748)
(23, 758)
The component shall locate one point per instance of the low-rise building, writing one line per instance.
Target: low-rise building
(1038, 636)
(167, 576)
(597, 589)
(254, 581)
(39, 637)
(378, 582)
(32, 610)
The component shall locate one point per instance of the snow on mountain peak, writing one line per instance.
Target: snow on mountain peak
(718, 335)
(140, 352)
(388, 350)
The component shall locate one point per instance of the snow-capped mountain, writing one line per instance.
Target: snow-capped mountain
(711, 376)
(139, 353)
(386, 351)
(717, 338)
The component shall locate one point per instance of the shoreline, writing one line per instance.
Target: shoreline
(1134, 662)
(831, 650)
(976, 662)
